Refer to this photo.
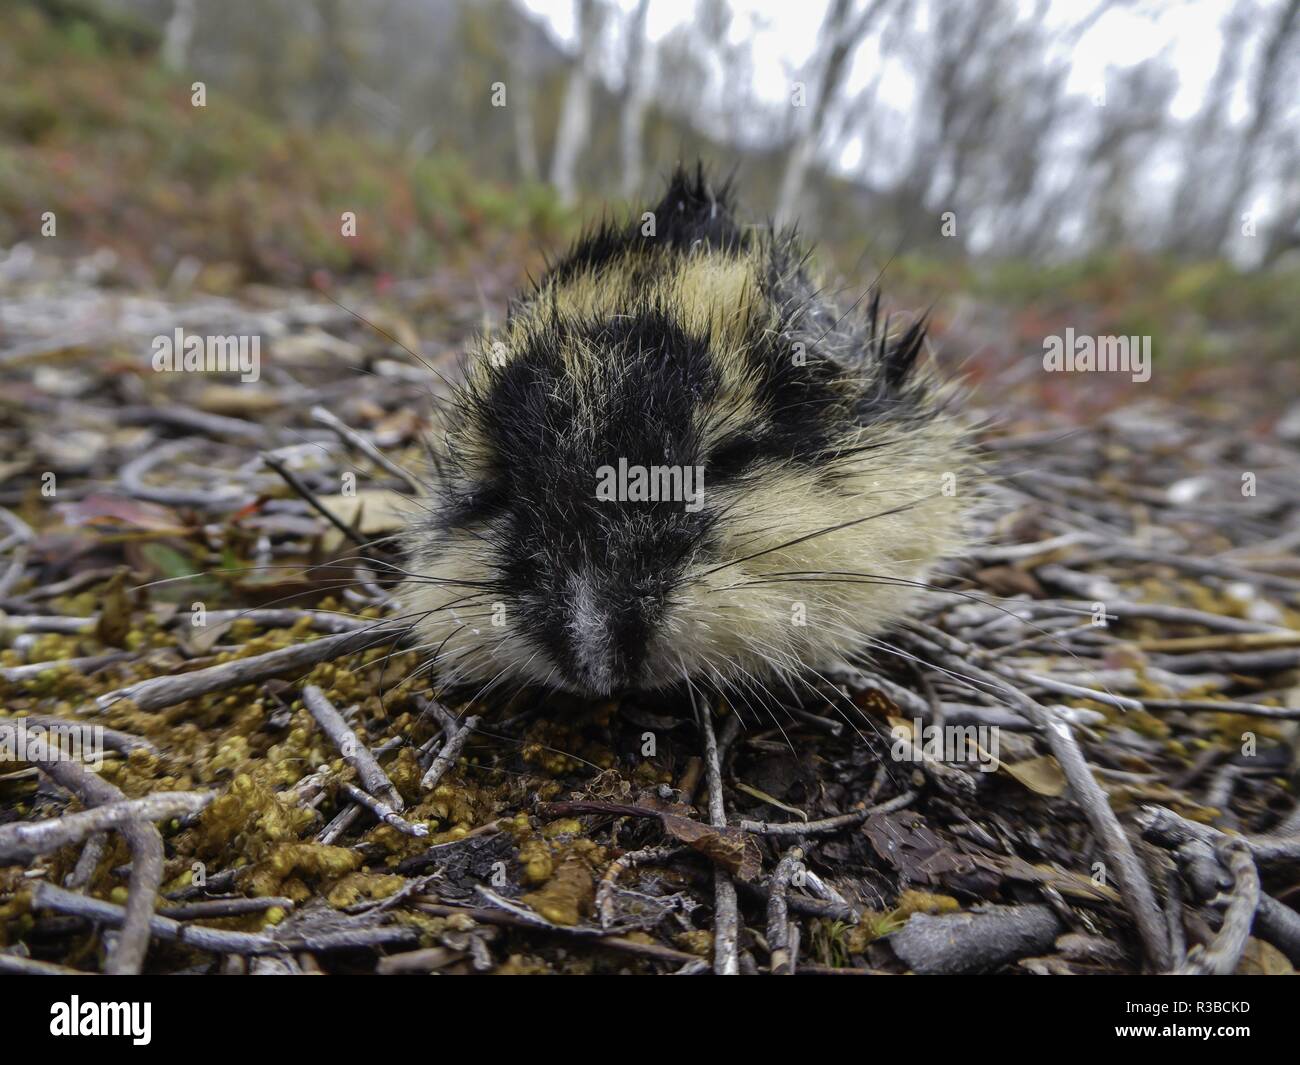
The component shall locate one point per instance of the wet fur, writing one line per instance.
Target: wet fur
(824, 477)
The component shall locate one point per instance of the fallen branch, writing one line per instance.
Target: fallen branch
(828, 824)
(160, 692)
(127, 955)
(1223, 955)
(449, 753)
(726, 912)
(781, 932)
(354, 752)
(384, 812)
(24, 840)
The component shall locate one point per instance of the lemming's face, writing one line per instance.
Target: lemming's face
(621, 507)
(675, 461)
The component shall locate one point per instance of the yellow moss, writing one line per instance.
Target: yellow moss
(535, 857)
(568, 894)
(356, 886)
(249, 816)
(566, 826)
(910, 902)
(523, 965)
(699, 942)
(309, 859)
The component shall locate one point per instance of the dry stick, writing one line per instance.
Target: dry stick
(341, 823)
(351, 436)
(285, 617)
(1164, 826)
(726, 915)
(1229, 661)
(1280, 925)
(192, 911)
(48, 897)
(16, 674)
(98, 735)
(449, 753)
(1203, 567)
(92, 735)
(292, 480)
(384, 812)
(127, 955)
(354, 752)
(87, 862)
(779, 927)
(14, 963)
(1224, 706)
(1237, 641)
(60, 623)
(1139, 898)
(605, 890)
(1224, 953)
(160, 692)
(24, 840)
(1122, 702)
(828, 824)
(510, 919)
(18, 562)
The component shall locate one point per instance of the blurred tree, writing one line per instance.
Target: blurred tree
(575, 118)
(841, 32)
(635, 99)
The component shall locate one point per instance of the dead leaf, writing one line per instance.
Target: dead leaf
(734, 850)
(371, 512)
(1263, 959)
(1042, 775)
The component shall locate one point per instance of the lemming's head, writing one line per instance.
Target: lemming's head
(676, 460)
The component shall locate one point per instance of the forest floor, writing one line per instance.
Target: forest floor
(283, 789)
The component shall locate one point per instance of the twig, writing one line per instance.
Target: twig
(127, 956)
(449, 753)
(782, 951)
(48, 897)
(293, 481)
(351, 436)
(384, 812)
(1123, 702)
(87, 862)
(159, 692)
(1164, 826)
(1224, 706)
(828, 824)
(726, 914)
(237, 907)
(24, 840)
(14, 963)
(86, 664)
(506, 917)
(354, 752)
(1222, 956)
(605, 890)
(1139, 898)
(91, 735)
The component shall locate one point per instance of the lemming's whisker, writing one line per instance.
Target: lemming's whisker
(901, 508)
